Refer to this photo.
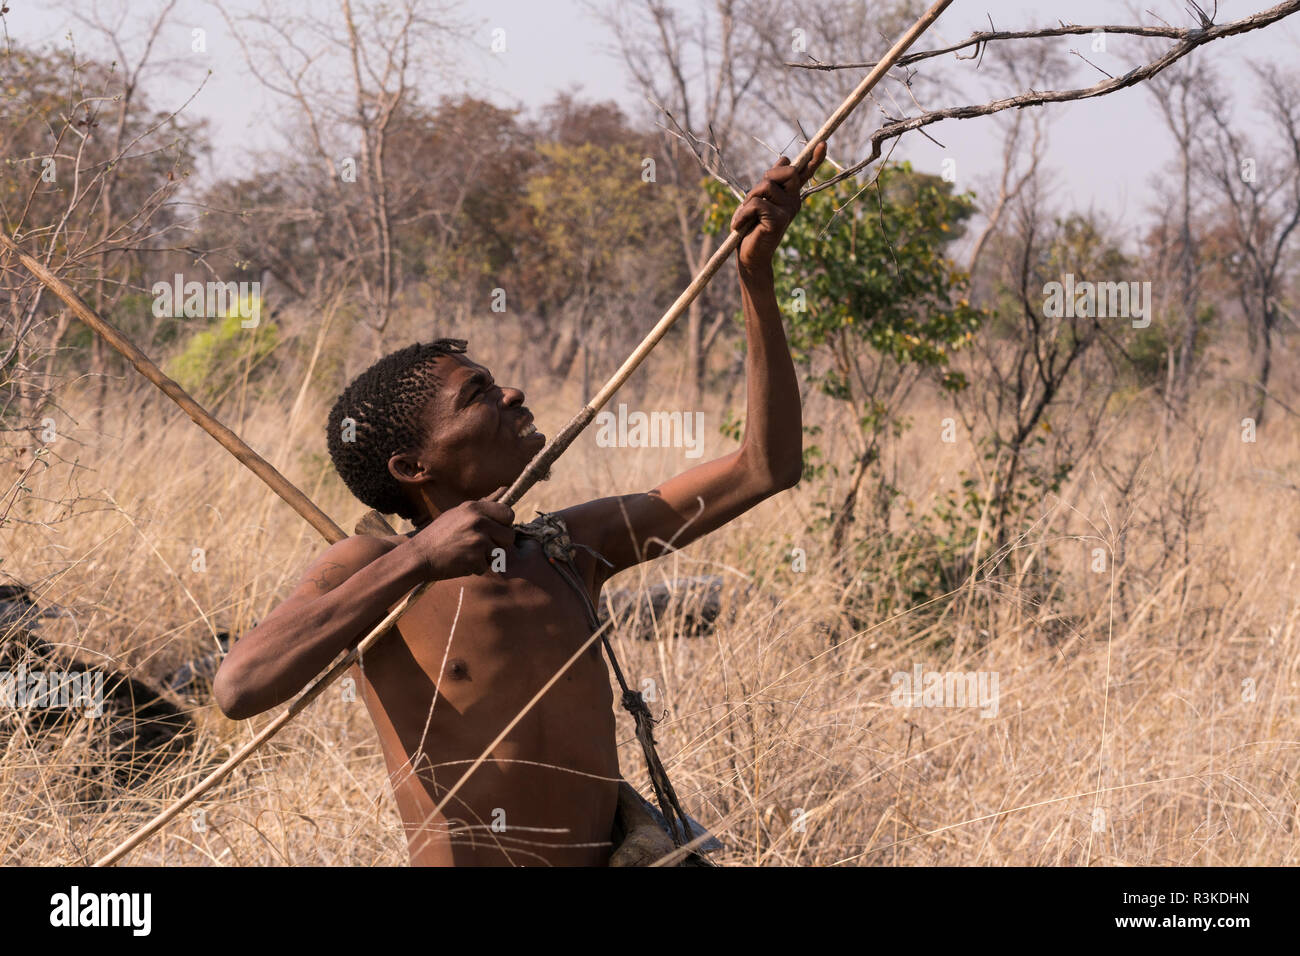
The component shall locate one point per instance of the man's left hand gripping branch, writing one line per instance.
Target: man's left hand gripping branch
(428, 434)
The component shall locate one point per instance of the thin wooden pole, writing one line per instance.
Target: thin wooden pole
(145, 366)
(536, 469)
(295, 498)
(265, 734)
(540, 466)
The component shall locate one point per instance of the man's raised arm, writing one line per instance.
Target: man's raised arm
(628, 529)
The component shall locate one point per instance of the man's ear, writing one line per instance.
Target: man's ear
(406, 468)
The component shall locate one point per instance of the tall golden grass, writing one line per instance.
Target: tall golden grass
(1146, 713)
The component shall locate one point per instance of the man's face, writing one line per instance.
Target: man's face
(478, 435)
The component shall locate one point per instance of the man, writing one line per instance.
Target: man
(427, 433)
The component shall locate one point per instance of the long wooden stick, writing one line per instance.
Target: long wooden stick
(295, 498)
(540, 466)
(145, 366)
(265, 734)
(537, 468)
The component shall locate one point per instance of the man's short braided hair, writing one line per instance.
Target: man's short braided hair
(385, 402)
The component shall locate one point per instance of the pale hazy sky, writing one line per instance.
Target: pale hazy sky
(1104, 153)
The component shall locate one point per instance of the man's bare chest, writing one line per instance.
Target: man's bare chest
(506, 631)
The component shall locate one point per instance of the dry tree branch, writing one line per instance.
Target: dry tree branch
(1189, 39)
(980, 37)
(716, 167)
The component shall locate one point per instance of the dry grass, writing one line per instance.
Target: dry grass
(1124, 733)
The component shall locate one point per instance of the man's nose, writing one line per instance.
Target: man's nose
(512, 396)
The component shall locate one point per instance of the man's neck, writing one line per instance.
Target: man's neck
(427, 512)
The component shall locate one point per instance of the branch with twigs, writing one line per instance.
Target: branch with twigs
(1188, 38)
(980, 38)
(713, 164)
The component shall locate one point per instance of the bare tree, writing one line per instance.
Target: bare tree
(700, 72)
(133, 62)
(1024, 135)
(1025, 360)
(1259, 190)
(814, 34)
(89, 192)
(381, 48)
(86, 196)
(1183, 94)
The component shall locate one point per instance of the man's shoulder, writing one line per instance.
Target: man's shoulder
(375, 543)
(358, 550)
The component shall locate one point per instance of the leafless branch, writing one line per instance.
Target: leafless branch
(1189, 39)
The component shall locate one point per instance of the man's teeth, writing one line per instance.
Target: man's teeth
(529, 429)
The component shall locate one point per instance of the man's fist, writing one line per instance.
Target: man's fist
(460, 541)
(770, 207)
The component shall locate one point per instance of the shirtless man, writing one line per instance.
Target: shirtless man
(435, 438)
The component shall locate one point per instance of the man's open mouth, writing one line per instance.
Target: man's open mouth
(527, 429)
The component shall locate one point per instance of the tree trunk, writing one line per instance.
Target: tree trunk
(1265, 364)
(849, 505)
(564, 353)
